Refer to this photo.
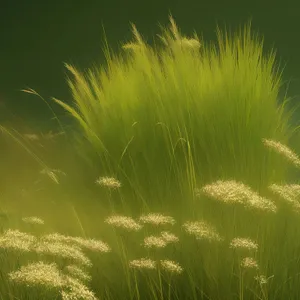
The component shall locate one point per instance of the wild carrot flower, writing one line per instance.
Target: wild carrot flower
(171, 266)
(17, 240)
(39, 273)
(283, 150)
(108, 182)
(202, 230)
(143, 263)
(243, 243)
(123, 222)
(33, 220)
(157, 219)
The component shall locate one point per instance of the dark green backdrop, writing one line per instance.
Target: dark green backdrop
(37, 36)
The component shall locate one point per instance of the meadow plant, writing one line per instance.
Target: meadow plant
(157, 219)
(78, 272)
(165, 121)
(124, 222)
(182, 114)
(202, 230)
(50, 277)
(33, 220)
(39, 273)
(243, 243)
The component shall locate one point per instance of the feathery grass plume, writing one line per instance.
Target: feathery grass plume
(243, 243)
(169, 237)
(125, 222)
(283, 150)
(33, 220)
(109, 182)
(75, 290)
(232, 191)
(174, 39)
(227, 191)
(59, 249)
(78, 273)
(143, 263)
(154, 242)
(39, 273)
(157, 219)
(189, 43)
(202, 230)
(261, 203)
(17, 240)
(90, 244)
(249, 263)
(171, 266)
(236, 69)
(93, 245)
(289, 192)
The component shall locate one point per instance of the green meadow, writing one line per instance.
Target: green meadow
(172, 178)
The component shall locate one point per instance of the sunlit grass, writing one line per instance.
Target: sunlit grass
(190, 200)
(182, 114)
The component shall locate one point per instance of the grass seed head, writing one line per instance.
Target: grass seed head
(232, 191)
(33, 220)
(17, 240)
(75, 289)
(289, 192)
(154, 242)
(123, 222)
(202, 230)
(261, 203)
(78, 272)
(143, 263)
(229, 191)
(62, 250)
(108, 182)
(249, 263)
(90, 244)
(157, 219)
(243, 243)
(93, 245)
(169, 237)
(38, 273)
(282, 150)
(171, 266)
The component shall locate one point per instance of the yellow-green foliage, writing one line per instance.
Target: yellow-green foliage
(184, 113)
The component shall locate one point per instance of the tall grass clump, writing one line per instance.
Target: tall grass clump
(163, 119)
